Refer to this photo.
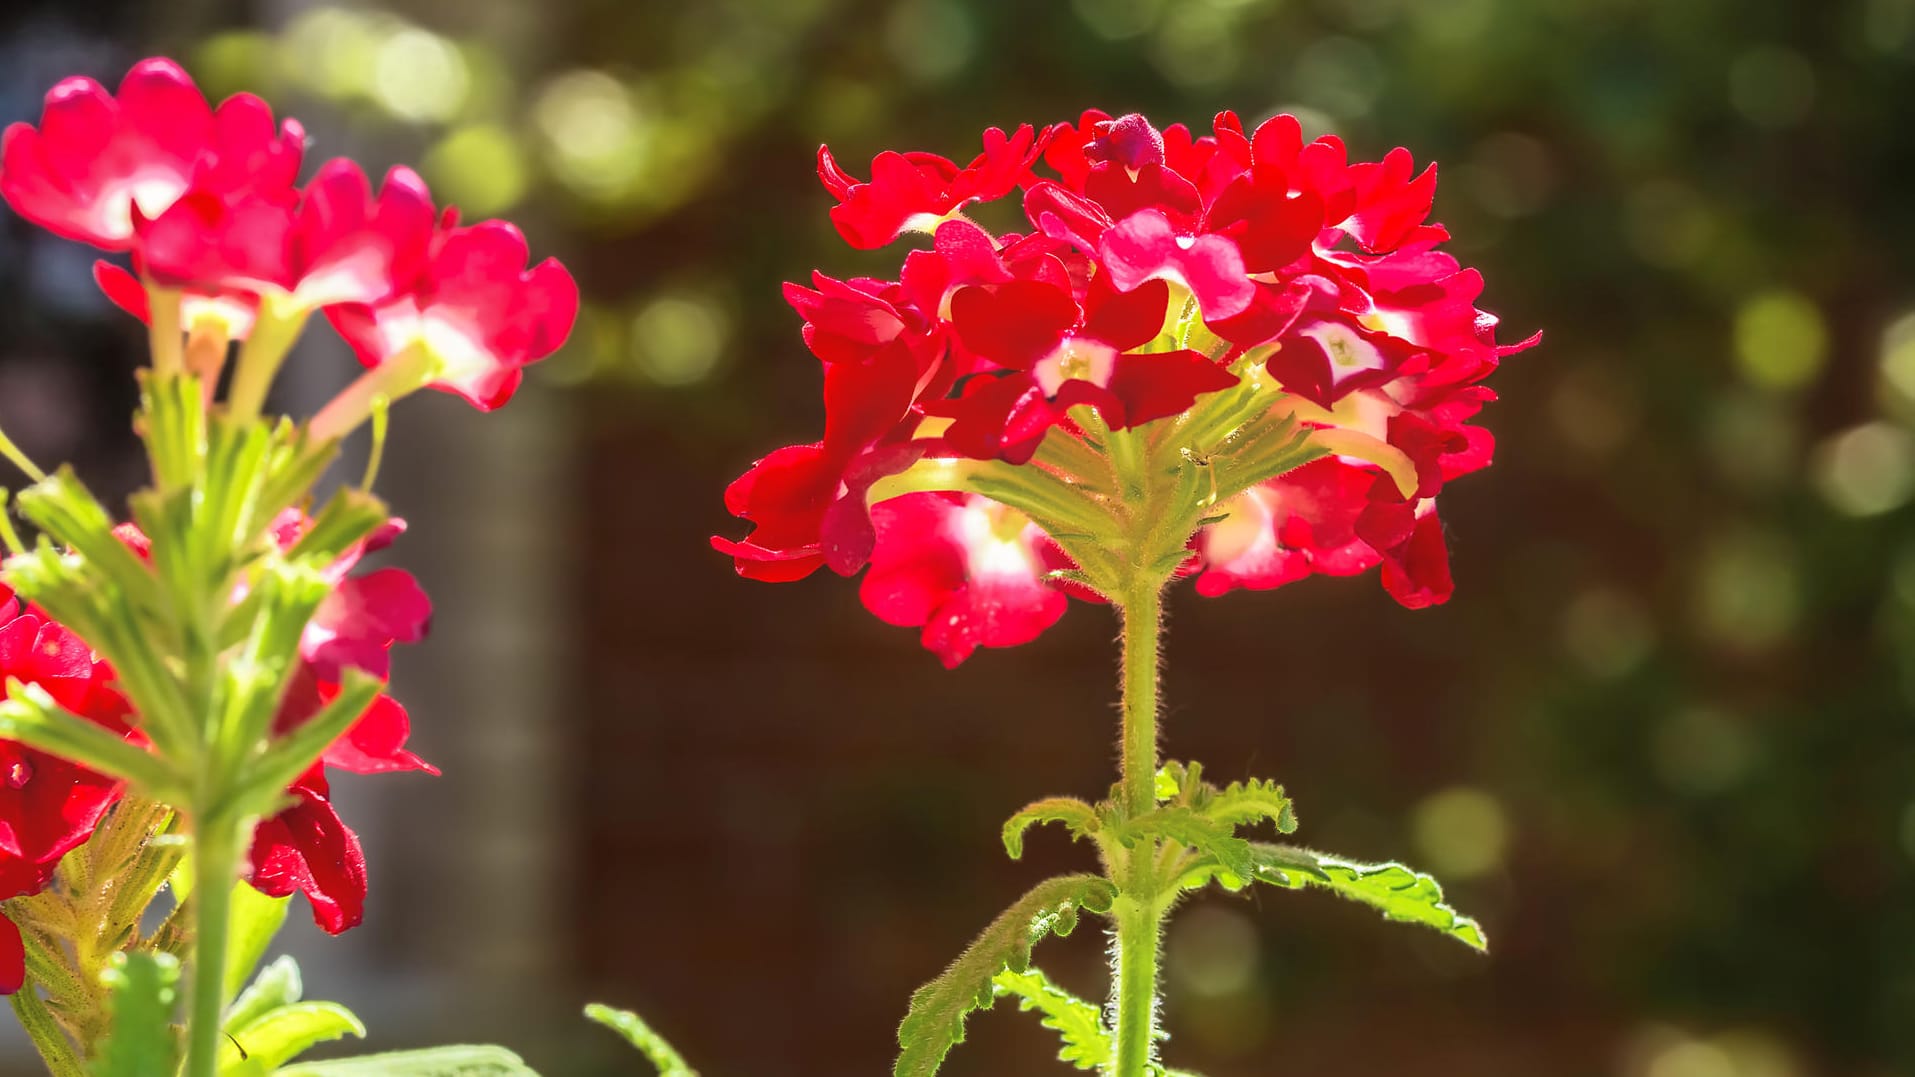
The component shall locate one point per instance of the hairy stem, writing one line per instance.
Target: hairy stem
(215, 868)
(48, 1039)
(1137, 915)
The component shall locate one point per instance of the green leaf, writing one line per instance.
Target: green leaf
(278, 984)
(1253, 801)
(31, 717)
(935, 1022)
(255, 919)
(1076, 816)
(289, 756)
(278, 1036)
(140, 1041)
(1086, 1041)
(1183, 783)
(457, 1061)
(663, 1057)
(1398, 892)
(1187, 826)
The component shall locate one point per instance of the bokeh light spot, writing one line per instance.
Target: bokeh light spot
(1700, 750)
(1668, 224)
(1898, 357)
(1461, 832)
(599, 141)
(1339, 75)
(1214, 951)
(1748, 594)
(420, 76)
(1607, 631)
(1511, 174)
(930, 39)
(1692, 1058)
(331, 50)
(1867, 470)
(1118, 19)
(481, 168)
(1197, 46)
(1780, 340)
(1753, 439)
(678, 338)
(1772, 86)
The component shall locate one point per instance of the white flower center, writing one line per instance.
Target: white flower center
(1075, 360)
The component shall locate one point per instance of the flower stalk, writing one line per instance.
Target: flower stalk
(1138, 914)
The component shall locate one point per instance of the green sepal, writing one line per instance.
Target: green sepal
(454, 1061)
(1398, 892)
(296, 464)
(1080, 1024)
(70, 515)
(288, 756)
(30, 715)
(348, 516)
(278, 1036)
(662, 1055)
(141, 1041)
(935, 1021)
(1075, 815)
(278, 984)
(172, 422)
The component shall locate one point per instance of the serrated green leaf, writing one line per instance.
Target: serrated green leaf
(1398, 892)
(935, 1022)
(278, 984)
(1081, 1024)
(279, 1035)
(255, 919)
(1075, 815)
(1187, 826)
(457, 1061)
(140, 1041)
(1181, 782)
(1252, 801)
(663, 1057)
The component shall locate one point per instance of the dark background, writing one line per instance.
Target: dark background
(1660, 741)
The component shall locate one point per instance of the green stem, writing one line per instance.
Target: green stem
(215, 868)
(1138, 915)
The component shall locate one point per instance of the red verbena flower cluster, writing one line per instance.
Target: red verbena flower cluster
(206, 202)
(1322, 274)
(48, 806)
(306, 847)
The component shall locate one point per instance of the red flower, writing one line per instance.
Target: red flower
(307, 848)
(916, 191)
(48, 806)
(365, 615)
(971, 572)
(337, 243)
(99, 164)
(1322, 272)
(476, 309)
(1054, 354)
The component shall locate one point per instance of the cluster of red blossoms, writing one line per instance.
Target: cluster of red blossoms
(206, 201)
(206, 206)
(1324, 273)
(49, 807)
